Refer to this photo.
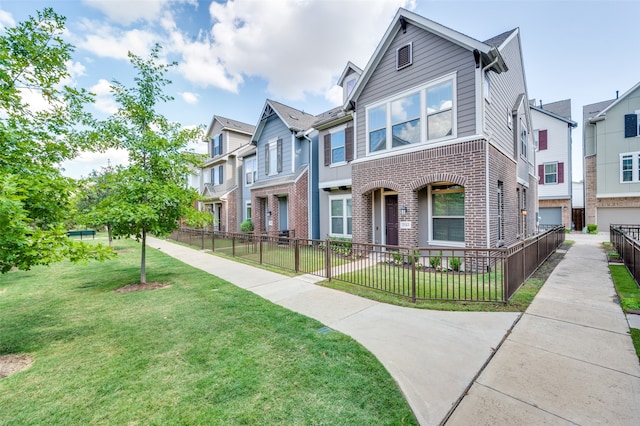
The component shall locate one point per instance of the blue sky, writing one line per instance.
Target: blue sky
(234, 55)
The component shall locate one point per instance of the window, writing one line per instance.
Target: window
(405, 120)
(630, 167)
(447, 213)
(550, 173)
(631, 125)
(523, 139)
(487, 87)
(250, 171)
(427, 113)
(217, 175)
(216, 145)
(404, 56)
(337, 147)
(248, 210)
(340, 216)
(273, 157)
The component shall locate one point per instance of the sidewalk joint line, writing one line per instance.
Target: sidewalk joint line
(577, 324)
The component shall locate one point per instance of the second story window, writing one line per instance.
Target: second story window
(337, 147)
(425, 114)
(273, 157)
(630, 167)
(216, 145)
(217, 175)
(250, 170)
(550, 173)
(523, 139)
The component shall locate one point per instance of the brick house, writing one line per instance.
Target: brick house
(611, 144)
(220, 189)
(552, 135)
(443, 146)
(284, 192)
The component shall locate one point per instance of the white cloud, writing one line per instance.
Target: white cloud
(88, 161)
(190, 98)
(110, 42)
(104, 99)
(6, 20)
(126, 12)
(297, 46)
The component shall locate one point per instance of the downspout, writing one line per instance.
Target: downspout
(486, 153)
(309, 188)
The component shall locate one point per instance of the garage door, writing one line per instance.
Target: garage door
(551, 216)
(617, 215)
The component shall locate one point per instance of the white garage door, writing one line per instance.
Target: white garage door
(551, 216)
(617, 216)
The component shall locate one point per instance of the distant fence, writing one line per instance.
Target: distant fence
(626, 241)
(490, 275)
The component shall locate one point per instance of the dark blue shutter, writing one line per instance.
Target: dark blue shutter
(630, 125)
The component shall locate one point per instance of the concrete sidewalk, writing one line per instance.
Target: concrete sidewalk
(569, 360)
(433, 355)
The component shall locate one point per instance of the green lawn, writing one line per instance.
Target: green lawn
(201, 351)
(629, 294)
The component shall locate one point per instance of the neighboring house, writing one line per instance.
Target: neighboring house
(249, 159)
(221, 189)
(577, 200)
(443, 151)
(284, 193)
(552, 135)
(335, 153)
(612, 160)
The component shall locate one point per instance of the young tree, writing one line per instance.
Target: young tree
(34, 196)
(150, 195)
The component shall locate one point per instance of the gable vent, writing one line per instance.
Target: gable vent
(404, 56)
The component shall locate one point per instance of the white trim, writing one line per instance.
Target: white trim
(332, 131)
(293, 152)
(544, 173)
(619, 195)
(273, 145)
(487, 205)
(334, 183)
(430, 239)
(344, 198)
(421, 90)
(523, 182)
(603, 113)
(635, 167)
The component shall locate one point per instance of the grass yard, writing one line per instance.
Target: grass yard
(629, 295)
(200, 351)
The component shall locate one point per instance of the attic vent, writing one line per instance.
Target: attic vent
(404, 56)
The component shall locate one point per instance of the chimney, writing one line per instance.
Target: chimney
(540, 103)
(617, 91)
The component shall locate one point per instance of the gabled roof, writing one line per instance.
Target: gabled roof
(593, 110)
(331, 118)
(560, 110)
(498, 40)
(232, 125)
(616, 101)
(294, 119)
(350, 67)
(489, 52)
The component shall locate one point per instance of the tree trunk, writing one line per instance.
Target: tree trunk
(143, 269)
(110, 235)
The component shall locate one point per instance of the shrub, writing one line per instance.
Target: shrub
(246, 226)
(436, 261)
(592, 228)
(454, 263)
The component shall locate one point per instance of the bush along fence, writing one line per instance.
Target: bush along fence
(491, 275)
(626, 241)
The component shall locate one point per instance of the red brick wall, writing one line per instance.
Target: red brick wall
(590, 189)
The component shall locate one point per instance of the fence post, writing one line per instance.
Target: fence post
(296, 249)
(260, 248)
(505, 276)
(413, 274)
(213, 240)
(327, 258)
(202, 239)
(233, 245)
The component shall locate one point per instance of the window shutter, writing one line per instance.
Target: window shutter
(327, 149)
(403, 56)
(630, 125)
(279, 154)
(213, 176)
(540, 174)
(560, 172)
(542, 140)
(266, 159)
(348, 143)
(220, 175)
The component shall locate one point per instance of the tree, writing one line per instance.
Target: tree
(150, 195)
(34, 196)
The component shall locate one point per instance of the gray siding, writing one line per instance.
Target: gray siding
(327, 173)
(505, 89)
(274, 129)
(433, 57)
(302, 152)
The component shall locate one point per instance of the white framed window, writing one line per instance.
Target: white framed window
(550, 173)
(340, 213)
(446, 209)
(487, 87)
(630, 167)
(217, 175)
(216, 145)
(247, 210)
(338, 146)
(273, 158)
(250, 170)
(424, 114)
(523, 139)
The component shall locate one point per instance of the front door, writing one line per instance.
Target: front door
(391, 219)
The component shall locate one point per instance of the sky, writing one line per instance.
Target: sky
(233, 55)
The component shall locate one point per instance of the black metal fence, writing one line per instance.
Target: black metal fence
(626, 241)
(491, 275)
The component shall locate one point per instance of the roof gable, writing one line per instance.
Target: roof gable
(617, 101)
(230, 125)
(294, 119)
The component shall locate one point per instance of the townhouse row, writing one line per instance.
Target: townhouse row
(434, 145)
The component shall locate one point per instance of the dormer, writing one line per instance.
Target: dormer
(348, 79)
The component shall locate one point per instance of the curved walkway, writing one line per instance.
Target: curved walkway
(432, 355)
(569, 360)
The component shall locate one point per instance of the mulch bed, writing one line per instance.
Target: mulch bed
(140, 287)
